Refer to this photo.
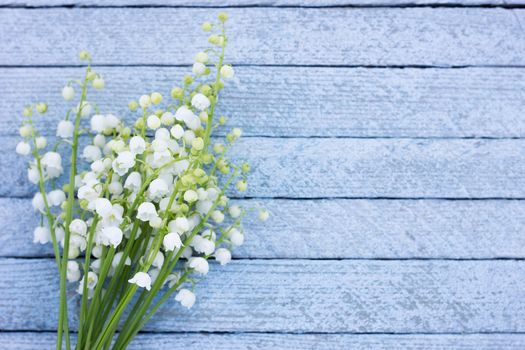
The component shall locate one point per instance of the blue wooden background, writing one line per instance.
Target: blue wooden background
(387, 141)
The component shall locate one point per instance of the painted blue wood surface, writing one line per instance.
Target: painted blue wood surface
(314, 296)
(262, 341)
(328, 36)
(342, 157)
(342, 228)
(269, 3)
(270, 101)
(355, 168)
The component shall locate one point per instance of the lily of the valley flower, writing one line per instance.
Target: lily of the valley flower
(141, 279)
(186, 298)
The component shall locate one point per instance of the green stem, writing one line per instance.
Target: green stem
(214, 101)
(162, 276)
(69, 215)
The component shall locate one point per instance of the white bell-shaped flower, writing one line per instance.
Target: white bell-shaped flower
(171, 241)
(200, 101)
(56, 197)
(133, 181)
(111, 235)
(141, 279)
(200, 265)
(52, 164)
(41, 235)
(65, 129)
(91, 153)
(68, 93)
(38, 202)
(124, 161)
(158, 188)
(186, 298)
(146, 211)
(223, 256)
(78, 227)
(137, 145)
(73, 271)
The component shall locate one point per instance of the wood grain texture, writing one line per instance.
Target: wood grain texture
(329, 36)
(241, 341)
(329, 296)
(363, 229)
(271, 101)
(269, 3)
(317, 167)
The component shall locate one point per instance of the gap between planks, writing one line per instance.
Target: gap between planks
(270, 65)
(451, 4)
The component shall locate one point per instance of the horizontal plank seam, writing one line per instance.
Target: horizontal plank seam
(44, 331)
(263, 65)
(451, 4)
(49, 256)
(349, 137)
(350, 198)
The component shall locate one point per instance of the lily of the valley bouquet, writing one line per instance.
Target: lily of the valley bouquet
(137, 212)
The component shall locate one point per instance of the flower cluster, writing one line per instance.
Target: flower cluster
(144, 206)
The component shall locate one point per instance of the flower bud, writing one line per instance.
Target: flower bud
(188, 79)
(213, 39)
(197, 144)
(156, 98)
(28, 111)
(223, 17)
(41, 107)
(153, 122)
(91, 75)
(190, 196)
(245, 168)
(201, 57)
(198, 68)
(242, 185)
(217, 216)
(177, 93)
(139, 124)
(68, 93)
(207, 26)
(133, 105)
(235, 211)
(236, 132)
(40, 142)
(263, 215)
(98, 83)
(144, 101)
(227, 71)
(167, 118)
(23, 148)
(25, 130)
(205, 89)
(84, 56)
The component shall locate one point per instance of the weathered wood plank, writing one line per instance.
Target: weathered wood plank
(329, 36)
(308, 296)
(270, 101)
(271, 3)
(317, 167)
(261, 341)
(390, 229)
